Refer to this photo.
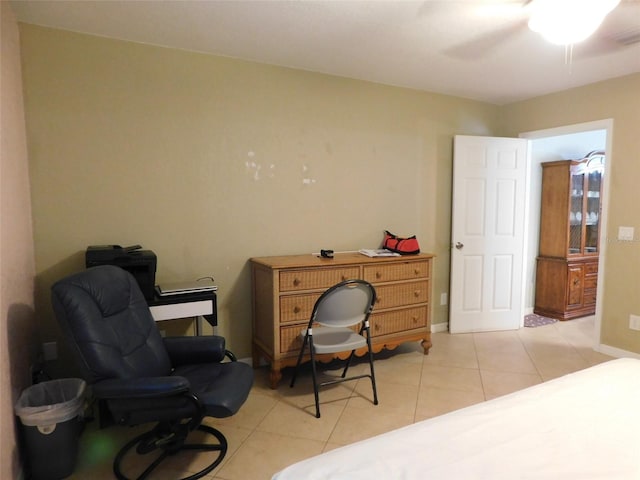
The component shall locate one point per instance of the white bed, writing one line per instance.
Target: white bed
(585, 425)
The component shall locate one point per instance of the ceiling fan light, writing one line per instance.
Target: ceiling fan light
(565, 22)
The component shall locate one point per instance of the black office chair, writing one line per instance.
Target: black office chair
(139, 377)
(345, 305)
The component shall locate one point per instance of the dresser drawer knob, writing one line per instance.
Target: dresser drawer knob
(296, 282)
(416, 293)
(415, 319)
(343, 277)
(416, 271)
(296, 309)
(378, 275)
(376, 327)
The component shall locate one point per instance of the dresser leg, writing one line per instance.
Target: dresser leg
(426, 345)
(275, 375)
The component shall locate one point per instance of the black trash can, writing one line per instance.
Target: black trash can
(51, 417)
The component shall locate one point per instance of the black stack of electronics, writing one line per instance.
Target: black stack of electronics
(140, 263)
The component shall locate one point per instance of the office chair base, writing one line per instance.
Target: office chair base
(169, 445)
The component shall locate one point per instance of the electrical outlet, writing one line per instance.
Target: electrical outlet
(443, 298)
(37, 374)
(625, 233)
(33, 370)
(50, 351)
(634, 322)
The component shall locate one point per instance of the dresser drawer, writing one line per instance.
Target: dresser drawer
(393, 272)
(591, 281)
(317, 278)
(589, 296)
(290, 340)
(389, 296)
(297, 307)
(398, 321)
(590, 268)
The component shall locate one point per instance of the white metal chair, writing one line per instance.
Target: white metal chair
(342, 306)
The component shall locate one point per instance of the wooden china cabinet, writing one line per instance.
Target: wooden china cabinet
(567, 265)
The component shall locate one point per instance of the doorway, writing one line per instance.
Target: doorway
(568, 142)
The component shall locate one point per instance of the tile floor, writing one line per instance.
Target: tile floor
(278, 427)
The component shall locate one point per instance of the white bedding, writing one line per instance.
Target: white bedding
(584, 426)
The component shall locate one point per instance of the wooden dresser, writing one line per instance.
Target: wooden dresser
(286, 288)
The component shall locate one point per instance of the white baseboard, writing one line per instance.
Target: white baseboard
(615, 352)
(440, 327)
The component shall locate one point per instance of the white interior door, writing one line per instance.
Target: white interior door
(488, 213)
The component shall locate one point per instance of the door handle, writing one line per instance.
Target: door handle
(459, 245)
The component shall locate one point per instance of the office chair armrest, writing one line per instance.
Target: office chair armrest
(144, 387)
(191, 350)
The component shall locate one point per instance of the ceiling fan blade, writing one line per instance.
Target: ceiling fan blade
(619, 30)
(483, 45)
(596, 46)
(432, 7)
(429, 7)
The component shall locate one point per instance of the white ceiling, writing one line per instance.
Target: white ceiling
(478, 49)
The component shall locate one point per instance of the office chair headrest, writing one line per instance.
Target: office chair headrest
(110, 301)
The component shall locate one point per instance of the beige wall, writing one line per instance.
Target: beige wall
(618, 99)
(18, 339)
(209, 161)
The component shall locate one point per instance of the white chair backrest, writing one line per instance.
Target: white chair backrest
(345, 304)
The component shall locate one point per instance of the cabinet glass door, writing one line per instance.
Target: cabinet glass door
(592, 211)
(576, 213)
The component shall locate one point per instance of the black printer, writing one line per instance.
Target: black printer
(140, 263)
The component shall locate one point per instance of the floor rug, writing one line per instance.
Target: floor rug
(533, 320)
